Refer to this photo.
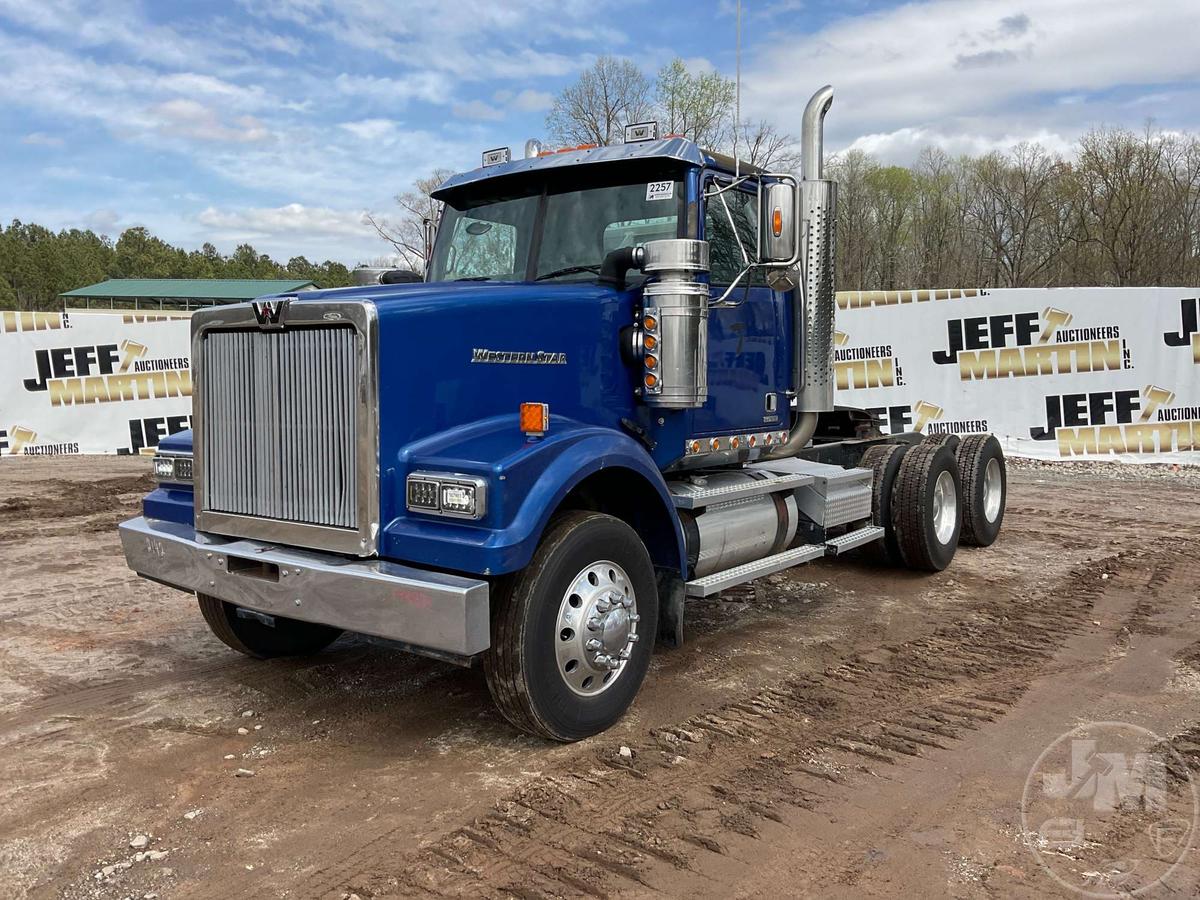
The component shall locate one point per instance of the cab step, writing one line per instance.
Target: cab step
(852, 539)
(768, 565)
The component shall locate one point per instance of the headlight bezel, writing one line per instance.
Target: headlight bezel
(424, 492)
(173, 468)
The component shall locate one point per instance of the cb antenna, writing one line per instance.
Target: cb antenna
(737, 94)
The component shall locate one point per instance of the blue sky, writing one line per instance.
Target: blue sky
(281, 122)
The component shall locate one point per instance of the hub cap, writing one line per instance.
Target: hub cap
(597, 628)
(945, 507)
(993, 490)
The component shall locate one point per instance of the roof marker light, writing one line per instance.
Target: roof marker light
(496, 157)
(641, 131)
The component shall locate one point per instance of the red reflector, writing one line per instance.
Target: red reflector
(535, 418)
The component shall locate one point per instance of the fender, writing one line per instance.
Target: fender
(527, 481)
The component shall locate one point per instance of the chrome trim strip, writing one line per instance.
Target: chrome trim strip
(426, 609)
(363, 317)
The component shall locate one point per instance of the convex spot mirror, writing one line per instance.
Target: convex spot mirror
(777, 232)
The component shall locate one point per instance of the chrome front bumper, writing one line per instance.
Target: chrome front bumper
(428, 610)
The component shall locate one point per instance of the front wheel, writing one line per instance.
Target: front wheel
(572, 633)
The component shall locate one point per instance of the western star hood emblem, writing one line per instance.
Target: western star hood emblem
(519, 357)
(269, 313)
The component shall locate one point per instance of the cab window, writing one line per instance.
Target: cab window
(725, 257)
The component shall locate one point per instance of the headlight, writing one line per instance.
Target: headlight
(458, 496)
(173, 469)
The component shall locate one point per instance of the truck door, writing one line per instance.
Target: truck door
(744, 374)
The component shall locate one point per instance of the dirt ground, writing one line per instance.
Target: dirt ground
(840, 730)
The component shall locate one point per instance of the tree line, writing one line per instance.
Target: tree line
(37, 264)
(1122, 210)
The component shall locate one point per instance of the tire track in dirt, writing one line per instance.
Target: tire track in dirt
(651, 824)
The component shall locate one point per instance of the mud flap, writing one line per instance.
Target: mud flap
(670, 609)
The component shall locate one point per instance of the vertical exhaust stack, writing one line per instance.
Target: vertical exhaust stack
(813, 375)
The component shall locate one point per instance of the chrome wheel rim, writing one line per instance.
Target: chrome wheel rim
(597, 628)
(993, 490)
(945, 507)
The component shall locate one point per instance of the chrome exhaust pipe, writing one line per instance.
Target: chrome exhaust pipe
(813, 314)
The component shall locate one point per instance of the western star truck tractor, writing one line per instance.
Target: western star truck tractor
(613, 392)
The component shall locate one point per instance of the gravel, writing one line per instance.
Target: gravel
(1115, 471)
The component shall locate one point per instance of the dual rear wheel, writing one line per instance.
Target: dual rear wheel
(932, 496)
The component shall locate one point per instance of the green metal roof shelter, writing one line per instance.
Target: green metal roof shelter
(178, 293)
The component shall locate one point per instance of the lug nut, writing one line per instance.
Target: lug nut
(593, 644)
(634, 638)
(603, 606)
(635, 618)
(593, 624)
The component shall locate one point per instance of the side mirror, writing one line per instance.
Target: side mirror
(778, 234)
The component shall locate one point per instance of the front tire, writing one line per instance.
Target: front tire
(288, 637)
(573, 631)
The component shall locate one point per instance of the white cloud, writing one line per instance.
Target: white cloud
(41, 139)
(370, 129)
(973, 70)
(478, 110)
(905, 144)
(533, 101)
(191, 119)
(293, 218)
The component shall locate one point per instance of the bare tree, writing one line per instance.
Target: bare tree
(771, 150)
(597, 107)
(406, 232)
(1013, 212)
(696, 105)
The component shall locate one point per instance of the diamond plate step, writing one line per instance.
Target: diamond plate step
(719, 581)
(690, 496)
(852, 539)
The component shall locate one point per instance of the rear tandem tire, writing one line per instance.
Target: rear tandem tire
(926, 507)
(884, 460)
(541, 676)
(984, 495)
(289, 637)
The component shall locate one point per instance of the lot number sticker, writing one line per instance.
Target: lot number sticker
(660, 190)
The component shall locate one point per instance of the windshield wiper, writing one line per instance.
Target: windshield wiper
(475, 278)
(569, 270)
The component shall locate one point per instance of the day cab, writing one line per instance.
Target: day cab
(613, 391)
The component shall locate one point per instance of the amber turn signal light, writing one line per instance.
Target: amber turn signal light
(535, 418)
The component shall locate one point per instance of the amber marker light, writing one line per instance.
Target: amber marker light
(649, 342)
(777, 221)
(651, 362)
(535, 418)
(650, 323)
(651, 379)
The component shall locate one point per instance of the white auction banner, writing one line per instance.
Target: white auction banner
(1064, 373)
(92, 382)
(1054, 373)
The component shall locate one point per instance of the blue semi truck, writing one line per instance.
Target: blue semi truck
(613, 391)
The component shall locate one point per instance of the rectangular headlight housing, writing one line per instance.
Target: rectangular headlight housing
(173, 469)
(456, 496)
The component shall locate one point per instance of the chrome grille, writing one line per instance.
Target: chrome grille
(280, 429)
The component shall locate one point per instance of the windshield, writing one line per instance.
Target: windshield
(552, 233)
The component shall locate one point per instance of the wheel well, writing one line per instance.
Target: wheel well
(630, 497)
